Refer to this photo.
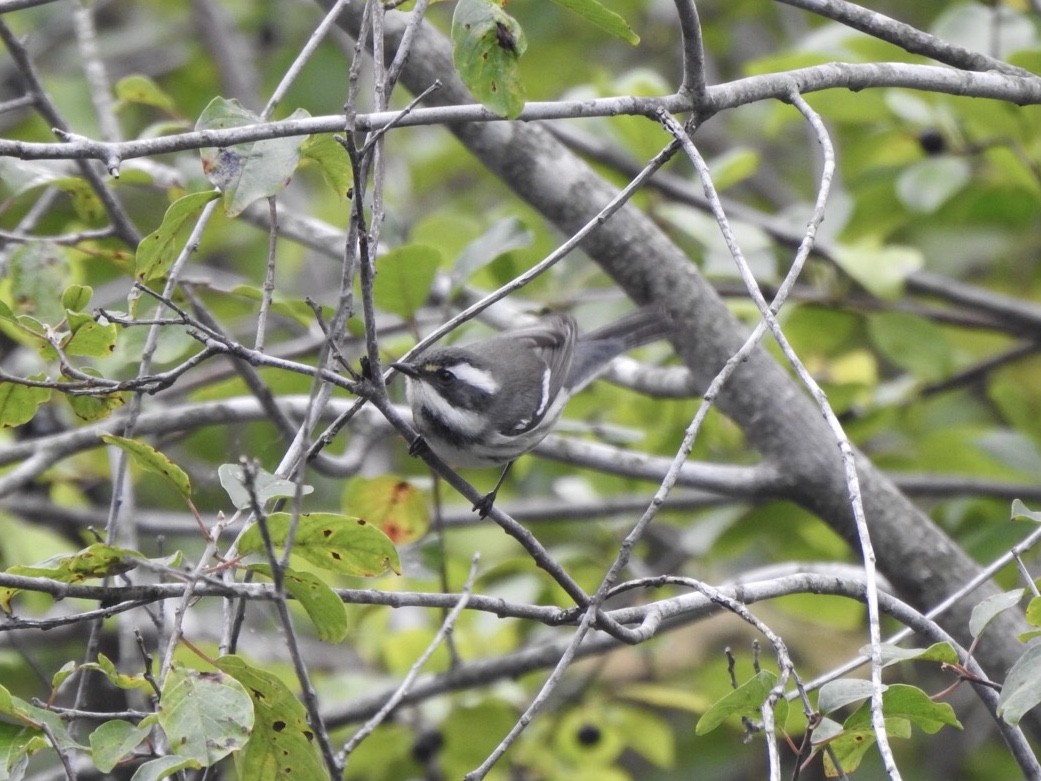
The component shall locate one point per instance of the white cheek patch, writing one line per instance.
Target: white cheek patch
(477, 378)
(466, 422)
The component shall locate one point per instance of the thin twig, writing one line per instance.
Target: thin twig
(693, 52)
(120, 220)
(441, 636)
(94, 71)
(278, 567)
(768, 312)
(268, 287)
(908, 38)
(292, 73)
(404, 48)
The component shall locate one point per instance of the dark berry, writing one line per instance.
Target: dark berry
(588, 735)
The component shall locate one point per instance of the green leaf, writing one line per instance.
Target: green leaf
(84, 198)
(94, 561)
(486, 47)
(1033, 611)
(18, 403)
(158, 250)
(93, 407)
(474, 729)
(21, 176)
(87, 337)
(397, 508)
(27, 330)
(852, 744)
(266, 486)
(600, 753)
(913, 343)
(928, 184)
(350, 546)
(734, 167)
(205, 716)
(295, 309)
(977, 27)
(324, 608)
(1022, 688)
(942, 653)
(648, 735)
(405, 276)
(283, 744)
(17, 745)
(1021, 512)
(664, 696)
(76, 297)
(604, 18)
(113, 740)
(7, 704)
(38, 270)
(163, 767)
(837, 694)
(64, 672)
(331, 158)
(745, 700)
(121, 680)
(907, 703)
(880, 270)
(245, 173)
(505, 235)
(987, 610)
(27, 713)
(151, 460)
(142, 90)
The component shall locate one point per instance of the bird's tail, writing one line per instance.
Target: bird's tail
(597, 348)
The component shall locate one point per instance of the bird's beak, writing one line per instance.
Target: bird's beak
(407, 369)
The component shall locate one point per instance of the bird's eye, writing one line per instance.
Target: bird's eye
(445, 375)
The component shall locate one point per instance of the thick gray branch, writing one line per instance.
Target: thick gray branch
(777, 416)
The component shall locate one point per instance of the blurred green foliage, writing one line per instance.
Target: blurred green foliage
(928, 182)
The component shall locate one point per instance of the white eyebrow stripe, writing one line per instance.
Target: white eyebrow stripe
(478, 378)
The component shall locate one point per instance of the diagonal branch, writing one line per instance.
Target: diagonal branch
(776, 416)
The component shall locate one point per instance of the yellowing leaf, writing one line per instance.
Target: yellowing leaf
(283, 744)
(95, 561)
(393, 505)
(94, 406)
(150, 459)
